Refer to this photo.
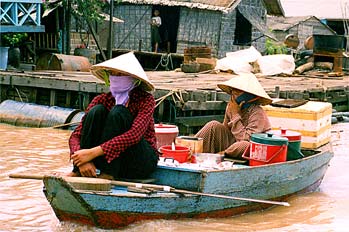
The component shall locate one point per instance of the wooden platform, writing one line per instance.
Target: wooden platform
(186, 99)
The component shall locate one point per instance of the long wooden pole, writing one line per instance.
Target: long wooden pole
(181, 191)
(66, 124)
(231, 197)
(163, 188)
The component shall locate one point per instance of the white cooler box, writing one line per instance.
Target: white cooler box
(312, 120)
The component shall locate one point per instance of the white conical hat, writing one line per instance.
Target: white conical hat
(248, 83)
(127, 64)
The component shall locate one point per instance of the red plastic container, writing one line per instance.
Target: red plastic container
(181, 153)
(266, 149)
(165, 134)
(294, 142)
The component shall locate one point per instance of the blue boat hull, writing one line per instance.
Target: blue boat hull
(119, 207)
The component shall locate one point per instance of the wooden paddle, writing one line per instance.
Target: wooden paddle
(105, 185)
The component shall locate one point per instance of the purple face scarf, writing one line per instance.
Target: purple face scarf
(120, 86)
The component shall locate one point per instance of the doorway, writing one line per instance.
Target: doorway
(168, 29)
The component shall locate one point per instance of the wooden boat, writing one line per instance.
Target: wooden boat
(193, 193)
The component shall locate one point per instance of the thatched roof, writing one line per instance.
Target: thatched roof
(215, 5)
(272, 6)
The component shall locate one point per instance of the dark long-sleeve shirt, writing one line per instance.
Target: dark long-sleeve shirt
(141, 106)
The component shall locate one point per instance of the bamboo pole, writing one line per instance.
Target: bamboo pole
(162, 188)
(66, 124)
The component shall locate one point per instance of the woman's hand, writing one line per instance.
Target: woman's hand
(83, 156)
(233, 107)
(88, 170)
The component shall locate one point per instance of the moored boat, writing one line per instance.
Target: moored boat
(185, 192)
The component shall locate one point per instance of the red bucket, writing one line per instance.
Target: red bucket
(294, 143)
(181, 153)
(266, 149)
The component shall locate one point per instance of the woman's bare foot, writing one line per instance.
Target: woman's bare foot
(105, 176)
(72, 174)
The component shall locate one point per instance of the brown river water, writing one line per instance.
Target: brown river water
(23, 206)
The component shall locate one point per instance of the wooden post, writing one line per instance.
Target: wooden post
(304, 67)
(110, 39)
(277, 91)
(68, 22)
(161, 111)
(53, 97)
(86, 100)
(68, 99)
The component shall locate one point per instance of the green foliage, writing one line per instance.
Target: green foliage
(273, 48)
(13, 39)
(84, 12)
(88, 9)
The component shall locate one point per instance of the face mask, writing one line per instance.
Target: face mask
(120, 87)
(247, 98)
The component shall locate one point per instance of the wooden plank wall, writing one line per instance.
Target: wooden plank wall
(135, 31)
(198, 28)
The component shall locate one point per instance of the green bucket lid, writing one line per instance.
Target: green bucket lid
(269, 139)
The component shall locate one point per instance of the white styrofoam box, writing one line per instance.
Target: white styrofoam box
(312, 120)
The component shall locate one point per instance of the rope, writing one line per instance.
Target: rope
(165, 60)
(19, 94)
(173, 93)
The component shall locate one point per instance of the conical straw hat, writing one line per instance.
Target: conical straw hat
(246, 82)
(126, 64)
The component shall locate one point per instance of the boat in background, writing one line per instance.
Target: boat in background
(188, 192)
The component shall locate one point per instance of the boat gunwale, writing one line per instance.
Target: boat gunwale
(319, 151)
(159, 193)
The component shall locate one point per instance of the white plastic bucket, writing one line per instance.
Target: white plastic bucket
(165, 134)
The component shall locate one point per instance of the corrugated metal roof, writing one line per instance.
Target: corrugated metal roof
(285, 23)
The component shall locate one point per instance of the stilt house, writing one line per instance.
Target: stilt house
(303, 27)
(224, 26)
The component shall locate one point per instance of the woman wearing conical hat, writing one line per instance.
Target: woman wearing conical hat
(243, 117)
(117, 135)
